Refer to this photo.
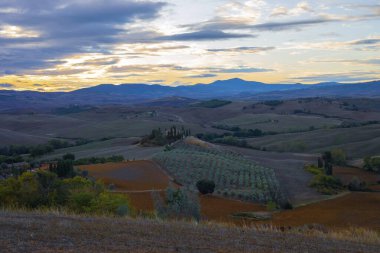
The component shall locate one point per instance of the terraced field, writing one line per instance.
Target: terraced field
(233, 175)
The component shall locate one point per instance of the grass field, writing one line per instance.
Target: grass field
(94, 124)
(279, 123)
(119, 146)
(9, 137)
(357, 142)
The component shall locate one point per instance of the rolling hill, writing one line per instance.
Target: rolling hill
(235, 89)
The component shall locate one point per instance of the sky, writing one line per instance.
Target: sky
(64, 45)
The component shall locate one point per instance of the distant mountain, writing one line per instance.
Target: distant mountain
(367, 89)
(216, 89)
(138, 93)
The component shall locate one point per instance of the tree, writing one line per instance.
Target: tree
(63, 168)
(320, 162)
(327, 160)
(69, 157)
(328, 169)
(338, 156)
(206, 186)
(4, 166)
(179, 204)
(356, 185)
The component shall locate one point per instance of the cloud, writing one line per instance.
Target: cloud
(204, 35)
(355, 76)
(300, 8)
(244, 70)
(354, 62)
(156, 81)
(6, 85)
(64, 27)
(246, 50)
(98, 62)
(140, 68)
(366, 42)
(202, 76)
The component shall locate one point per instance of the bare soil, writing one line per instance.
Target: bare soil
(131, 175)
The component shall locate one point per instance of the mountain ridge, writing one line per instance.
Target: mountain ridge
(233, 89)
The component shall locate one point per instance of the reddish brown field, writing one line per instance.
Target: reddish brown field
(354, 209)
(345, 174)
(130, 176)
(212, 207)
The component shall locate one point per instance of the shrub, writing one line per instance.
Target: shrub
(271, 206)
(178, 204)
(206, 186)
(372, 164)
(356, 185)
(338, 156)
(215, 103)
(314, 170)
(68, 157)
(63, 168)
(45, 189)
(326, 184)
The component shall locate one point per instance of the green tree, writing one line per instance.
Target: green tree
(338, 156)
(206, 186)
(68, 156)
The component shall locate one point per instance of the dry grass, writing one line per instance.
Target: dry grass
(47, 232)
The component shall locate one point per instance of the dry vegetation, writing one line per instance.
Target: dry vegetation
(44, 232)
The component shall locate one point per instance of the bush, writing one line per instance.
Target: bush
(206, 186)
(63, 168)
(338, 156)
(326, 184)
(45, 189)
(372, 164)
(314, 170)
(68, 157)
(357, 185)
(98, 160)
(215, 103)
(178, 204)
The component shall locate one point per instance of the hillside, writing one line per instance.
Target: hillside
(236, 89)
(35, 232)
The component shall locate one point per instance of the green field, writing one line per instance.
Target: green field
(118, 146)
(357, 141)
(35, 128)
(279, 123)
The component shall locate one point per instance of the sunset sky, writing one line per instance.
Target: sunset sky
(63, 45)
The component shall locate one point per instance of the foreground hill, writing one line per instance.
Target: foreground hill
(33, 232)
